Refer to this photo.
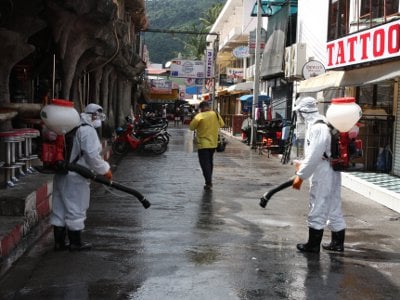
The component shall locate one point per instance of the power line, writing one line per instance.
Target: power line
(179, 31)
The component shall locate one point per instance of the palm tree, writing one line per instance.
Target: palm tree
(211, 15)
(195, 45)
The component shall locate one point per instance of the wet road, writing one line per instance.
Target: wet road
(219, 244)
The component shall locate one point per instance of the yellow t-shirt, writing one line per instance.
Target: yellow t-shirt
(206, 125)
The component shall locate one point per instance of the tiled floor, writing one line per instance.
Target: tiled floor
(382, 180)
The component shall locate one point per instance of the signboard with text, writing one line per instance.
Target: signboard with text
(241, 52)
(160, 86)
(253, 40)
(234, 72)
(378, 43)
(209, 63)
(187, 68)
(312, 68)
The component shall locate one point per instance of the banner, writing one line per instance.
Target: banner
(209, 63)
(187, 68)
(253, 38)
(234, 72)
(160, 86)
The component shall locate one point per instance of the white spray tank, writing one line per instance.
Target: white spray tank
(343, 114)
(60, 116)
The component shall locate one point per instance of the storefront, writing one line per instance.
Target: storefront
(228, 105)
(376, 90)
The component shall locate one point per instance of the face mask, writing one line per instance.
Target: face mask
(300, 117)
(96, 123)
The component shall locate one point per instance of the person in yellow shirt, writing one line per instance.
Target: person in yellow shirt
(206, 123)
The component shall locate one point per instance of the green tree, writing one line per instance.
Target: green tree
(195, 45)
(175, 15)
(211, 15)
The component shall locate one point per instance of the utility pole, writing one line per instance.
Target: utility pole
(256, 87)
(215, 51)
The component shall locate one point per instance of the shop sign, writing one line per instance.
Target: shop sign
(241, 52)
(378, 43)
(313, 68)
(160, 86)
(209, 63)
(253, 40)
(187, 68)
(234, 72)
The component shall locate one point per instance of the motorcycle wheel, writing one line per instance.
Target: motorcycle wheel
(160, 145)
(119, 147)
(165, 136)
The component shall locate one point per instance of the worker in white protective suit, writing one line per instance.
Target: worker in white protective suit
(71, 191)
(325, 183)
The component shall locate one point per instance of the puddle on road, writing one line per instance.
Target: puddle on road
(202, 256)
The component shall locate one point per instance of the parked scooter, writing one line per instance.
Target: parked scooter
(147, 140)
(143, 121)
(141, 125)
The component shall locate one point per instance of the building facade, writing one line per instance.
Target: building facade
(325, 49)
(358, 44)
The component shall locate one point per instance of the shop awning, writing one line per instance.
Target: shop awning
(330, 79)
(356, 77)
(242, 86)
(372, 75)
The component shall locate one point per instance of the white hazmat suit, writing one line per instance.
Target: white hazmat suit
(325, 183)
(71, 192)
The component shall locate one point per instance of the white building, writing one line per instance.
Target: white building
(358, 44)
(326, 49)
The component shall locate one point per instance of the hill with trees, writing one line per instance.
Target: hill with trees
(179, 15)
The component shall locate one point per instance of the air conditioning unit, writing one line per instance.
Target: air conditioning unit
(295, 58)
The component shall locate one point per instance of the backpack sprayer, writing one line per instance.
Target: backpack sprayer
(343, 115)
(60, 118)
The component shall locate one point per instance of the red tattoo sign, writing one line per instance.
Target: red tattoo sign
(381, 42)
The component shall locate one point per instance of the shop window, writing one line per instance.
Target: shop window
(376, 96)
(376, 130)
(371, 9)
(338, 19)
(375, 12)
(366, 13)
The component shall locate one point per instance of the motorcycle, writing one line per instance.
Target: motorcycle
(142, 121)
(141, 124)
(162, 130)
(146, 140)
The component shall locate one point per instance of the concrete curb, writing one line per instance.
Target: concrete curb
(23, 231)
(37, 208)
(372, 191)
